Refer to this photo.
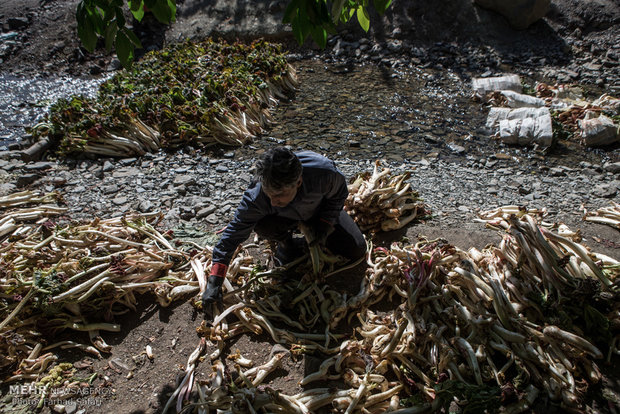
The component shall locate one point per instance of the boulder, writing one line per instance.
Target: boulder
(520, 13)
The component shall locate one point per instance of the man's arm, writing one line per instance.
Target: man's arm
(250, 210)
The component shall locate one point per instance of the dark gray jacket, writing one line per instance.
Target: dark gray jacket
(322, 195)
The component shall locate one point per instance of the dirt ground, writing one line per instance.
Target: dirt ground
(129, 382)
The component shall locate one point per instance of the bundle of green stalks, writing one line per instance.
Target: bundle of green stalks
(207, 93)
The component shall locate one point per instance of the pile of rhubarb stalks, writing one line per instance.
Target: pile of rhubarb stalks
(430, 324)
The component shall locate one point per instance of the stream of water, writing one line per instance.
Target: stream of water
(370, 112)
(23, 102)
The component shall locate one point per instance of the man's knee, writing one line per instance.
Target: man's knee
(350, 246)
(358, 250)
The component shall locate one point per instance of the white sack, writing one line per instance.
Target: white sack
(599, 131)
(527, 131)
(519, 100)
(482, 86)
(498, 114)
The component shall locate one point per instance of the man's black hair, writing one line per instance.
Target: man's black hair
(278, 167)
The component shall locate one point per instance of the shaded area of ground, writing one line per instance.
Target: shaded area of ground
(47, 41)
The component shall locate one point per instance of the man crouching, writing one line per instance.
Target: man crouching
(291, 188)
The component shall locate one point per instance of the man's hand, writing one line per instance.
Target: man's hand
(320, 231)
(213, 291)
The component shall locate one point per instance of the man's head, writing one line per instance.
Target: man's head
(279, 171)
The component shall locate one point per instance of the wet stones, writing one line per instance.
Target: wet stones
(17, 23)
(612, 167)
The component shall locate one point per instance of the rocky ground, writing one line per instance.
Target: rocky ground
(198, 190)
(576, 41)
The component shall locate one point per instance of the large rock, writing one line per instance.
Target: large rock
(520, 13)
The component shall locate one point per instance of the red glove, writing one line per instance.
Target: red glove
(213, 291)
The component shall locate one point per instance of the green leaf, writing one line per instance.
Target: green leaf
(305, 24)
(86, 33)
(291, 11)
(337, 7)
(110, 35)
(124, 49)
(138, 14)
(96, 18)
(135, 5)
(362, 18)
(132, 38)
(319, 35)
(297, 32)
(80, 13)
(324, 13)
(106, 11)
(173, 9)
(347, 14)
(382, 5)
(162, 11)
(120, 19)
(311, 12)
(109, 13)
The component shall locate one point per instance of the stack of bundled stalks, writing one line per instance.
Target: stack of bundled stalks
(605, 215)
(189, 93)
(15, 220)
(490, 328)
(382, 202)
(75, 277)
(486, 328)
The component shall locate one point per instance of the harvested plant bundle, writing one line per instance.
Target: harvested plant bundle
(381, 202)
(207, 93)
(75, 277)
(490, 328)
(605, 215)
(19, 221)
(493, 327)
(497, 218)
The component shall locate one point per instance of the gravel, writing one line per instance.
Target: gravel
(205, 196)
